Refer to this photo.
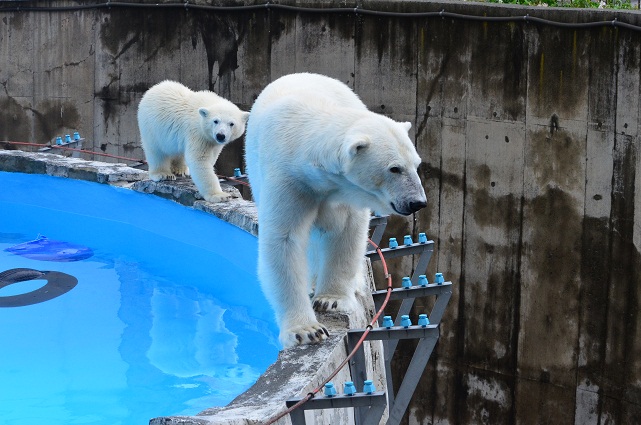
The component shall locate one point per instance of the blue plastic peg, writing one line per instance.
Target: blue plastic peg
(76, 136)
(423, 320)
(405, 321)
(392, 243)
(438, 278)
(58, 140)
(407, 282)
(388, 322)
(368, 387)
(407, 240)
(349, 389)
(330, 391)
(422, 238)
(422, 280)
(67, 138)
(237, 172)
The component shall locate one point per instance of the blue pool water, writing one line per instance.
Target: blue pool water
(167, 317)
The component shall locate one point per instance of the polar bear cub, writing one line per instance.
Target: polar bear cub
(183, 132)
(318, 161)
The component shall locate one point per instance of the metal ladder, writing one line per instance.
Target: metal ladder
(369, 406)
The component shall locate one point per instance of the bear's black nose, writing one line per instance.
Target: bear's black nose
(220, 137)
(415, 206)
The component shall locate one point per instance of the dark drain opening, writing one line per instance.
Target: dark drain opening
(57, 284)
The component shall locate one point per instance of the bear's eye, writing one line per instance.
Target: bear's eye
(231, 124)
(395, 170)
(215, 121)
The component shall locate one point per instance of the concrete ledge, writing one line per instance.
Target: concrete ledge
(298, 370)
(73, 168)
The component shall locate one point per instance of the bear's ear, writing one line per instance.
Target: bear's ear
(204, 112)
(357, 145)
(245, 116)
(352, 147)
(407, 125)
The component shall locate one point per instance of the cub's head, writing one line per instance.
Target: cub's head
(222, 123)
(379, 159)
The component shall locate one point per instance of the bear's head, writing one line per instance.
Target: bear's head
(379, 158)
(222, 123)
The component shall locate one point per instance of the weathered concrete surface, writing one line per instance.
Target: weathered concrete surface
(530, 142)
(298, 370)
(74, 168)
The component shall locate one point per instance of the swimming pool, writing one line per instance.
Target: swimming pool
(167, 316)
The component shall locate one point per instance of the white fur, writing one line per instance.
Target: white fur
(318, 162)
(183, 132)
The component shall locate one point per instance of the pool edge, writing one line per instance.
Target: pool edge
(237, 211)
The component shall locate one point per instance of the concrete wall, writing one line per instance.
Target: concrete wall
(530, 140)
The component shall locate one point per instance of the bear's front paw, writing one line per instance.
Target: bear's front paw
(343, 303)
(217, 197)
(310, 334)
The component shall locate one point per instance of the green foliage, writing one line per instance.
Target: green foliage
(593, 4)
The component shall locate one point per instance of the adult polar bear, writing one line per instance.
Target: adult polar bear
(318, 161)
(183, 132)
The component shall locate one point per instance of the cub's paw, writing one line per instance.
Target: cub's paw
(217, 197)
(159, 176)
(180, 171)
(310, 334)
(183, 174)
(345, 304)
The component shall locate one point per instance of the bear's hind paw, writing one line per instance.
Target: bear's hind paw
(323, 303)
(312, 334)
(180, 171)
(218, 197)
(161, 176)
